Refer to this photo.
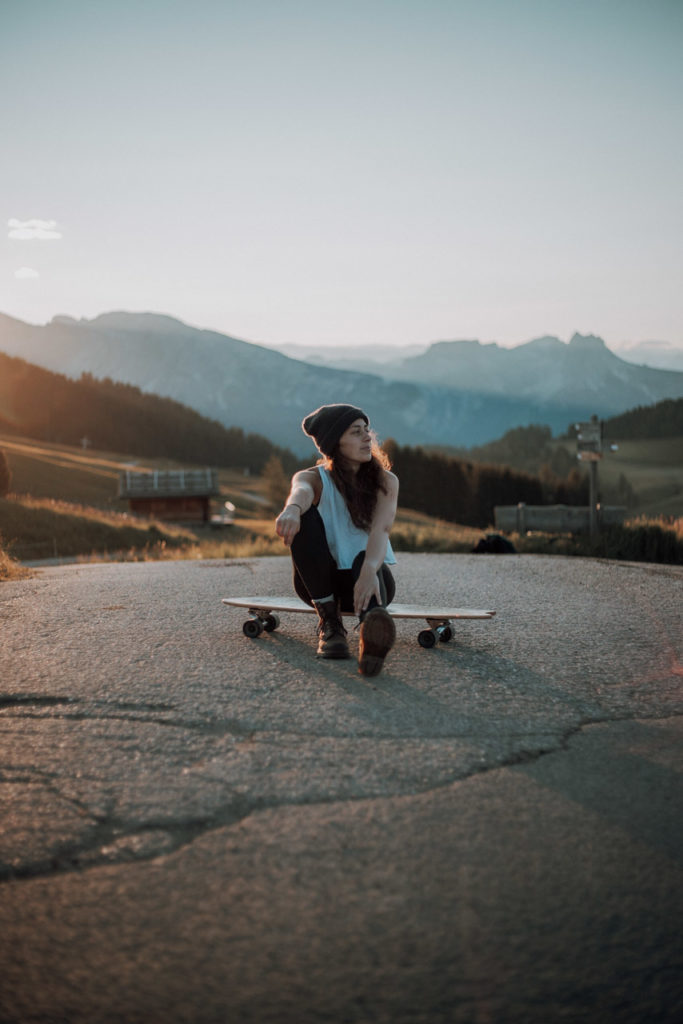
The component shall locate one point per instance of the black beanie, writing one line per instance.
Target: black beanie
(327, 424)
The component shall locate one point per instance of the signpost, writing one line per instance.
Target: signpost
(589, 442)
(562, 518)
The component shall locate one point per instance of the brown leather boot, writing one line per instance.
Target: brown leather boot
(332, 642)
(377, 635)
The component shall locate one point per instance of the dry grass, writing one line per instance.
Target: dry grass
(38, 528)
(11, 570)
(34, 528)
(414, 531)
(250, 546)
(88, 522)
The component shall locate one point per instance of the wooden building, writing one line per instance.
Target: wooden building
(178, 495)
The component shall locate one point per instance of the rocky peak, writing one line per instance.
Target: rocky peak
(587, 342)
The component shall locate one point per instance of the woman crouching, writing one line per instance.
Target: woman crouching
(337, 521)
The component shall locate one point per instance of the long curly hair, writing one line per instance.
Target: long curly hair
(359, 490)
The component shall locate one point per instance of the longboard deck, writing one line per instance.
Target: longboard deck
(439, 619)
(265, 603)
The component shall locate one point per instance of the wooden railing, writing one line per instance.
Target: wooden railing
(167, 483)
(553, 518)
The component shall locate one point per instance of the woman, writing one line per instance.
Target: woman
(337, 520)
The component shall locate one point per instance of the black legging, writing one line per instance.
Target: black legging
(315, 571)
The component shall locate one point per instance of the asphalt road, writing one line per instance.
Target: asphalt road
(197, 827)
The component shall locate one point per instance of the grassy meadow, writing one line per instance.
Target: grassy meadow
(64, 504)
(654, 469)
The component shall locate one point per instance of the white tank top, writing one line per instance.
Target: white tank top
(344, 538)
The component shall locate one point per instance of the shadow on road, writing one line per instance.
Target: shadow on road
(611, 770)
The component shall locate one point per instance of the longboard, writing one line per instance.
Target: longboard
(263, 609)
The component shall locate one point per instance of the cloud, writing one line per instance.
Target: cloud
(24, 273)
(27, 230)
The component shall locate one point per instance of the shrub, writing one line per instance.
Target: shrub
(641, 541)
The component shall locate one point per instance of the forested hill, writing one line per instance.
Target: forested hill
(664, 419)
(116, 417)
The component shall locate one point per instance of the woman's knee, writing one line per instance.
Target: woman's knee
(386, 579)
(311, 533)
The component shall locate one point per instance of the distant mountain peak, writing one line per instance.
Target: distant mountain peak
(151, 322)
(586, 341)
(67, 321)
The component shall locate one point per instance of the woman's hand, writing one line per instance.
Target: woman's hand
(367, 587)
(288, 523)
(306, 487)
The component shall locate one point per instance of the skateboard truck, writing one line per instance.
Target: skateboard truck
(259, 621)
(439, 629)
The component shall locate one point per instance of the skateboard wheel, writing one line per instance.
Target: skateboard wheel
(426, 638)
(252, 628)
(271, 623)
(446, 634)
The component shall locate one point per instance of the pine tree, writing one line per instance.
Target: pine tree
(5, 475)
(276, 481)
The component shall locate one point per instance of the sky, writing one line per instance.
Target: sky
(346, 173)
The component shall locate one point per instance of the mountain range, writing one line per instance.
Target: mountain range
(659, 355)
(459, 393)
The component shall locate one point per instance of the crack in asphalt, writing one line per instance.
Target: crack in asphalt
(210, 725)
(113, 842)
(222, 727)
(12, 700)
(123, 711)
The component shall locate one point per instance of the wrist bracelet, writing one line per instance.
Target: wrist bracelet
(290, 503)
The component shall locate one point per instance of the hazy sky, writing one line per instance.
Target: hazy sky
(346, 172)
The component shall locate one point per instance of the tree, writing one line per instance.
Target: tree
(276, 481)
(5, 475)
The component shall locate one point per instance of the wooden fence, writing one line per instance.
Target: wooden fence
(554, 518)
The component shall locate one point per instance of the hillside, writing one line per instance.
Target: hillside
(645, 472)
(48, 406)
(68, 473)
(664, 419)
(232, 381)
(457, 393)
(64, 504)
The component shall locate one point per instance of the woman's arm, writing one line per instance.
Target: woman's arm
(304, 492)
(367, 584)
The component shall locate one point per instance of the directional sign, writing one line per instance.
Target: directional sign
(589, 440)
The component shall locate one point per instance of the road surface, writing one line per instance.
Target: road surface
(198, 827)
